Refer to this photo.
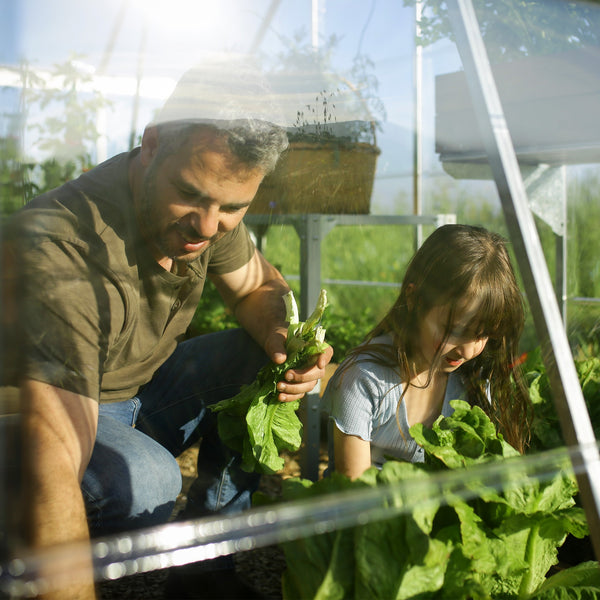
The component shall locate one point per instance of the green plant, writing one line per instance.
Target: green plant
(517, 28)
(345, 334)
(546, 430)
(65, 132)
(492, 542)
(254, 422)
(583, 244)
(583, 326)
(211, 314)
(315, 124)
(21, 180)
(16, 185)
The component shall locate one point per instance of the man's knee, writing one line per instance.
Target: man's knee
(155, 482)
(130, 488)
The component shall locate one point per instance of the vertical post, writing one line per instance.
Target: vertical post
(418, 125)
(309, 231)
(561, 274)
(314, 23)
(561, 252)
(572, 411)
(138, 82)
(546, 189)
(260, 230)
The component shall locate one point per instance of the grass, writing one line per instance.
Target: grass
(583, 327)
(368, 254)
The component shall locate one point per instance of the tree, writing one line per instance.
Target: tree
(66, 131)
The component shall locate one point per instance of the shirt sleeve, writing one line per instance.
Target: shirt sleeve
(232, 251)
(352, 399)
(68, 312)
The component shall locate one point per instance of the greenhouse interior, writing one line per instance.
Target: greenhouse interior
(396, 123)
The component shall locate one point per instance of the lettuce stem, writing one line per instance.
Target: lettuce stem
(525, 590)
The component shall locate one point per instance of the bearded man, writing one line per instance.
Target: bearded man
(103, 277)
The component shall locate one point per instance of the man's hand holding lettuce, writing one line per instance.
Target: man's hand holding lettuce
(255, 423)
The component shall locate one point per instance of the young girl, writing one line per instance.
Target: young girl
(452, 333)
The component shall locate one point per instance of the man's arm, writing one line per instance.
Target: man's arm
(255, 294)
(59, 430)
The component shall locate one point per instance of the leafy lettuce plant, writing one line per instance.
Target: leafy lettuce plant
(497, 542)
(546, 428)
(254, 422)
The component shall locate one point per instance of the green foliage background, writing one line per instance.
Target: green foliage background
(513, 29)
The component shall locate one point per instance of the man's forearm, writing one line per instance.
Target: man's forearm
(254, 293)
(263, 311)
(55, 514)
(59, 429)
(55, 511)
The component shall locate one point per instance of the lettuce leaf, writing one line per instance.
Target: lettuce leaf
(581, 582)
(255, 423)
(319, 566)
(546, 430)
(498, 544)
(526, 522)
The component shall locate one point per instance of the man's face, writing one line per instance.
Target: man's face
(191, 198)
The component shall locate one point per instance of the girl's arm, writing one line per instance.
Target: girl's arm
(352, 454)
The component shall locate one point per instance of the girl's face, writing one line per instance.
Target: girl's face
(462, 343)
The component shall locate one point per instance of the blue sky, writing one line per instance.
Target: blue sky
(181, 32)
(47, 30)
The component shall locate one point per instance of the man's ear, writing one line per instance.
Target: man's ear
(149, 145)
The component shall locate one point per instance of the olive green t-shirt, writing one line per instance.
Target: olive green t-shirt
(94, 312)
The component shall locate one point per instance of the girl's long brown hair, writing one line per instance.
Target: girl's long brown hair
(457, 263)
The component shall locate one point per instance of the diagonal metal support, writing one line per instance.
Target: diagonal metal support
(572, 411)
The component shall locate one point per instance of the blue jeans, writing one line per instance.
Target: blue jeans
(133, 479)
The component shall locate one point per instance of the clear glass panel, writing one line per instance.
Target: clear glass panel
(79, 82)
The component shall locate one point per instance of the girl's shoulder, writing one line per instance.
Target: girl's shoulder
(371, 362)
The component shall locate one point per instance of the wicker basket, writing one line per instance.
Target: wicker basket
(327, 178)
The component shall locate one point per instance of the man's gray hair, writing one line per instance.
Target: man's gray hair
(255, 144)
(228, 93)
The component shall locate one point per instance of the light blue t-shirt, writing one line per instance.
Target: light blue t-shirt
(363, 400)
